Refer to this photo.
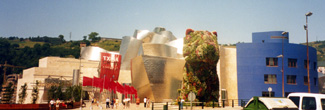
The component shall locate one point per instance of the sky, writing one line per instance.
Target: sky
(234, 20)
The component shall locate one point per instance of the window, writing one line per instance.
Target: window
(305, 80)
(291, 79)
(267, 94)
(271, 61)
(323, 103)
(292, 62)
(295, 100)
(305, 64)
(315, 66)
(308, 103)
(270, 79)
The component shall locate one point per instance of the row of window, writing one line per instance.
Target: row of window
(291, 79)
(291, 62)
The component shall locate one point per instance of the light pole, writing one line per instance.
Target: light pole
(283, 36)
(306, 28)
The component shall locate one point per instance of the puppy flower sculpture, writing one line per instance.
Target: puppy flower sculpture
(201, 53)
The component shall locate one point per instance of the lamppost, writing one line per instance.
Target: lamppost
(306, 28)
(282, 70)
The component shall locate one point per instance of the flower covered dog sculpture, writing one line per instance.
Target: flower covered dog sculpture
(201, 54)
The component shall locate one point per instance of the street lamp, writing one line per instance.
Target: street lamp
(306, 28)
(282, 55)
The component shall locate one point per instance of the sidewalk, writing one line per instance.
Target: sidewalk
(133, 106)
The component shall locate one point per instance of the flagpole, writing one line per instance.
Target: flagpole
(103, 83)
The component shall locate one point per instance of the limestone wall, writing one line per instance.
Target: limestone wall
(54, 67)
(227, 71)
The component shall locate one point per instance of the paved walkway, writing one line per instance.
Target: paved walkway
(133, 106)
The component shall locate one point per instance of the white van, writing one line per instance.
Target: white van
(308, 101)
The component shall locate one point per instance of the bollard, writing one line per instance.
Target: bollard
(232, 103)
(179, 105)
(223, 103)
(213, 104)
(152, 105)
(202, 105)
(241, 102)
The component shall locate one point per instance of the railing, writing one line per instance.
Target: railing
(186, 105)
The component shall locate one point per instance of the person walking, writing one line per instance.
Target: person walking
(112, 103)
(145, 102)
(52, 104)
(148, 103)
(182, 103)
(137, 102)
(116, 103)
(57, 104)
(107, 102)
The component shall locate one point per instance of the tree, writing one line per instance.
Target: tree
(85, 38)
(58, 92)
(51, 93)
(61, 37)
(93, 36)
(35, 93)
(23, 93)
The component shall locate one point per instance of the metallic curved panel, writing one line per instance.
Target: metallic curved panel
(92, 53)
(129, 49)
(159, 39)
(178, 43)
(144, 35)
(159, 29)
(168, 34)
(156, 77)
(159, 50)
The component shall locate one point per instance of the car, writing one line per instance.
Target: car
(308, 101)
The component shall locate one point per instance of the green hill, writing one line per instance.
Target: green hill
(27, 51)
(320, 47)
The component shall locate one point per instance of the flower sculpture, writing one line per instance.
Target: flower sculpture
(201, 54)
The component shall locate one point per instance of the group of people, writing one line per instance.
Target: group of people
(114, 103)
(146, 102)
(55, 104)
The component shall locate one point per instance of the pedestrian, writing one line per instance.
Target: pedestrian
(116, 102)
(57, 104)
(138, 102)
(112, 103)
(107, 102)
(52, 104)
(145, 102)
(148, 103)
(128, 103)
(182, 102)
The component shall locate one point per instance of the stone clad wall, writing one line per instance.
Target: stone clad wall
(54, 67)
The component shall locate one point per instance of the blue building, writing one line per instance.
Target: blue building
(259, 66)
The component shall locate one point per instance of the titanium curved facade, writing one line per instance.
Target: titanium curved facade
(259, 66)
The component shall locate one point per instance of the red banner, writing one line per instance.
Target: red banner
(110, 65)
(87, 81)
(98, 82)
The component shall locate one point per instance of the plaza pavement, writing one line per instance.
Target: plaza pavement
(133, 106)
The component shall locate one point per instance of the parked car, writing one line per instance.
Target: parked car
(308, 101)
